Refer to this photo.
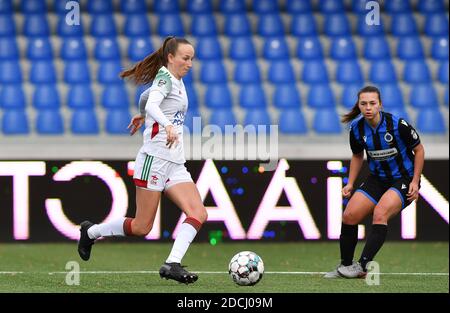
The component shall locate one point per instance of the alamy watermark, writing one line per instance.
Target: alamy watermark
(373, 274)
(73, 276)
(373, 16)
(73, 16)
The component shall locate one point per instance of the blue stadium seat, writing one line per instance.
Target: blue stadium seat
(73, 48)
(106, 49)
(436, 25)
(382, 71)
(430, 121)
(191, 114)
(410, 48)
(337, 24)
(192, 96)
(77, 72)
(400, 113)
(349, 72)
(12, 96)
(166, 6)
(188, 79)
(203, 25)
(46, 97)
(36, 25)
(309, 48)
(10, 72)
(431, 6)
(15, 122)
(321, 96)
(140, 89)
(208, 48)
(397, 6)
(115, 96)
(232, 6)
(376, 48)
(298, 6)
(103, 25)
(6, 6)
(199, 7)
(286, 96)
(84, 122)
(43, 72)
(416, 71)
(39, 49)
(391, 96)
(326, 121)
(7, 26)
(331, 6)
(275, 48)
(133, 6)
(350, 95)
(265, 6)
(237, 25)
(252, 96)
(270, 25)
(443, 72)
(139, 48)
(359, 6)
(213, 72)
(256, 117)
(292, 122)
(33, 6)
(65, 30)
(222, 117)
(108, 72)
(117, 121)
(80, 96)
(136, 25)
(170, 25)
(423, 96)
(8, 49)
(343, 48)
(366, 30)
(303, 24)
(247, 72)
(404, 24)
(281, 72)
(100, 7)
(218, 96)
(439, 48)
(314, 72)
(446, 96)
(242, 48)
(49, 122)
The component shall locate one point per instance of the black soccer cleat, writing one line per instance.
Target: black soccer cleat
(177, 272)
(85, 243)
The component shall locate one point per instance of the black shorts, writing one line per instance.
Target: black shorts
(375, 188)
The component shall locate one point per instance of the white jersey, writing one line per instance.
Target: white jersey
(174, 107)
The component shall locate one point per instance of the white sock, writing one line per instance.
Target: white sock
(185, 236)
(113, 228)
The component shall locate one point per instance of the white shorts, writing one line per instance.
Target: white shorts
(157, 174)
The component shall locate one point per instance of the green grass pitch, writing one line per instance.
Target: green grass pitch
(289, 268)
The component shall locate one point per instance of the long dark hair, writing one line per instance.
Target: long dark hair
(145, 71)
(355, 111)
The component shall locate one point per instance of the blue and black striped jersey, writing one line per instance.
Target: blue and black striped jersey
(389, 146)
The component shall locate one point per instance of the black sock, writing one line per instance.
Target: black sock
(373, 244)
(347, 242)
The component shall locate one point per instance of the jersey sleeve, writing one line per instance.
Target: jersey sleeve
(408, 134)
(162, 83)
(355, 145)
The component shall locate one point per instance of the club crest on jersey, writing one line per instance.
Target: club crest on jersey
(388, 137)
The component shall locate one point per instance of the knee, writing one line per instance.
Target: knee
(141, 230)
(380, 217)
(349, 218)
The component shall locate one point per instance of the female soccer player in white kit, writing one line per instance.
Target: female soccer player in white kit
(160, 162)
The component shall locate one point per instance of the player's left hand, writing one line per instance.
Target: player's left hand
(413, 191)
(136, 122)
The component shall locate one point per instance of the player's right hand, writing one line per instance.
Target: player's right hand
(172, 136)
(136, 122)
(347, 191)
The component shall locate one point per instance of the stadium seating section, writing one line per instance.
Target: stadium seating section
(295, 63)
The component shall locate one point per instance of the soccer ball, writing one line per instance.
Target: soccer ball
(246, 268)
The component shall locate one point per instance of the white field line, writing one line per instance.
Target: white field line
(208, 272)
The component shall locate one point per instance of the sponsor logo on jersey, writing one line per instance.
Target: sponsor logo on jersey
(383, 155)
(162, 82)
(178, 118)
(414, 134)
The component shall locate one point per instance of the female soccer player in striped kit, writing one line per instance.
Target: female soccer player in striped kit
(160, 162)
(396, 157)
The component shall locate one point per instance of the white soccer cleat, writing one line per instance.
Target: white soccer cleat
(352, 271)
(334, 273)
